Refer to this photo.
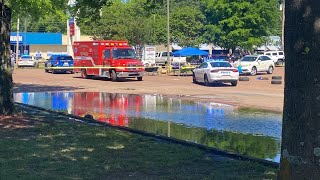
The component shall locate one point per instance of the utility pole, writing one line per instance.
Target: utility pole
(25, 35)
(168, 33)
(17, 40)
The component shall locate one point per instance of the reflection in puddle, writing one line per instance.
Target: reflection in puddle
(211, 124)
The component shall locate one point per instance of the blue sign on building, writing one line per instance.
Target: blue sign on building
(35, 38)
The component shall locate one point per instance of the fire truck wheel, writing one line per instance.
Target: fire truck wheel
(84, 74)
(113, 76)
(139, 78)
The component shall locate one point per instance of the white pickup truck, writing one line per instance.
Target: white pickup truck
(161, 58)
(276, 56)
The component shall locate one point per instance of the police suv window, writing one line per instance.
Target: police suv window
(106, 54)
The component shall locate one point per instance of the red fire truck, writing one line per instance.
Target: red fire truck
(106, 58)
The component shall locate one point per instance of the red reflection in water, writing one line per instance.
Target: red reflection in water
(105, 107)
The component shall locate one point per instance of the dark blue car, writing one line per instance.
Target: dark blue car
(59, 63)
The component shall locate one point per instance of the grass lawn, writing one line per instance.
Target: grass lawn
(40, 145)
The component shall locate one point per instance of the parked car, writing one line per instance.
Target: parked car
(251, 64)
(276, 56)
(27, 61)
(161, 58)
(56, 61)
(216, 71)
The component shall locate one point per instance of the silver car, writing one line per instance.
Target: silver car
(27, 61)
(216, 71)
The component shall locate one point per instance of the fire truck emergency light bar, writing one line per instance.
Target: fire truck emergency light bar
(117, 44)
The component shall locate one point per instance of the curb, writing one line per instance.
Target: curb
(152, 135)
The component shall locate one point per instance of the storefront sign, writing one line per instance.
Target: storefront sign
(14, 38)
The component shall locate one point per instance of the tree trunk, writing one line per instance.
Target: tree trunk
(6, 85)
(300, 150)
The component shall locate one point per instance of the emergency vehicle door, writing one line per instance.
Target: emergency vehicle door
(106, 57)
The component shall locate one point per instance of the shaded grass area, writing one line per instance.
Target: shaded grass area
(47, 146)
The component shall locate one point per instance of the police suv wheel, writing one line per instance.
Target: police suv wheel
(234, 83)
(194, 80)
(206, 80)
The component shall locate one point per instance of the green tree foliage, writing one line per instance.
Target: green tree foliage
(144, 21)
(47, 23)
(122, 20)
(240, 23)
(187, 24)
(50, 23)
(39, 16)
(152, 6)
(36, 8)
(88, 10)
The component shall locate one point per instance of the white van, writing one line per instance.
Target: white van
(276, 56)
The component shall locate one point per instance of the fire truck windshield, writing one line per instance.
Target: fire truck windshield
(123, 53)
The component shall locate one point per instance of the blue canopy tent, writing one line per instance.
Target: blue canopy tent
(190, 51)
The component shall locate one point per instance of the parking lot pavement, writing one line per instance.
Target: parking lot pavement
(254, 93)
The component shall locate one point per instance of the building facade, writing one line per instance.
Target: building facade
(44, 44)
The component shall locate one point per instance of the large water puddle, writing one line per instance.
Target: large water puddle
(256, 134)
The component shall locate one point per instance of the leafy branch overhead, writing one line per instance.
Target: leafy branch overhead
(88, 9)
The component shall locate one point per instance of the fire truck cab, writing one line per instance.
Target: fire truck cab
(106, 58)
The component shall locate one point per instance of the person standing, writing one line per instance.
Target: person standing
(12, 61)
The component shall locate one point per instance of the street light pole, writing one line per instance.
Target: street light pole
(168, 33)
